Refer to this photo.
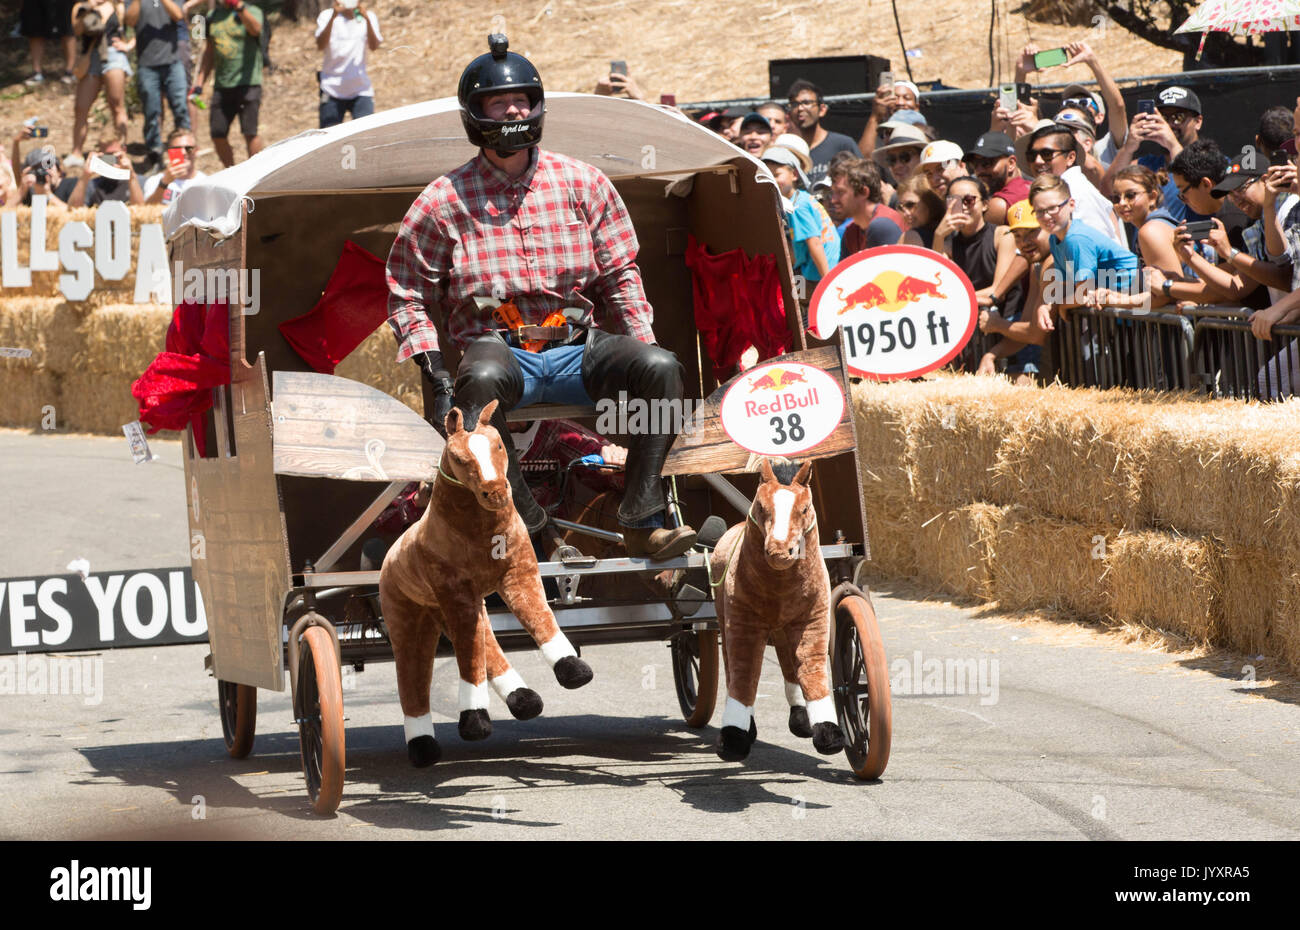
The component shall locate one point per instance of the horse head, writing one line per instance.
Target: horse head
(783, 512)
(476, 458)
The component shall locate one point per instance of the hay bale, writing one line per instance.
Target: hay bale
(1079, 456)
(25, 324)
(97, 402)
(25, 391)
(374, 363)
(123, 338)
(1041, 561)
(955, 550)
(1254, 589)
(1166, 581)
(1287, 631)
(957, 433)
(891, 530)
(1266, 488)
(882, 418)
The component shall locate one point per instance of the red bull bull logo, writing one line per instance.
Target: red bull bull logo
(890, 291)
(774, 379)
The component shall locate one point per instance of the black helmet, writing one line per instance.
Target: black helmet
(501, 70)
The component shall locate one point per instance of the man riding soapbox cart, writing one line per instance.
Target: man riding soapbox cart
(293, 467)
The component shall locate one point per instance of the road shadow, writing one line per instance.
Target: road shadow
(384, 790)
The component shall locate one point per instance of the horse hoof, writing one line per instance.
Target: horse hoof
(734, 743)
(475, 724)
(827, 738)
(423, 751)
(799, 724)
(524, 703)
(571, 672)
(753, 731)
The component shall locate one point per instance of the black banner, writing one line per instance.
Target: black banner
(105, 610)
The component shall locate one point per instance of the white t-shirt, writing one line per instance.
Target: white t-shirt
(173, 189)
(343, 75)
(1105, 150)
(1091, 207)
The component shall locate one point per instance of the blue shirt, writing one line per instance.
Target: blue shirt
(810, 221)
(1086, 252)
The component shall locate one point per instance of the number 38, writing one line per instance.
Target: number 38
(793, 425)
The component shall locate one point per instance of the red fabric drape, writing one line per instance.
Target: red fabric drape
(353, 306)
(738, 303)
(176, 387)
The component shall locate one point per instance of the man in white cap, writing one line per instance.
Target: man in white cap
(807, 112)
(942, 162)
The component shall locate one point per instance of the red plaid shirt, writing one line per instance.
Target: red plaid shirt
(558, 236)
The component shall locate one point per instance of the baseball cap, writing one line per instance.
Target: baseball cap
(993, 145)
(1074, 121)
(904, 118)
(1020, 215)
(1078, 90)
(1238, 174)
(937, 153)
(1179, 97)
(780, 155)
(756, 118)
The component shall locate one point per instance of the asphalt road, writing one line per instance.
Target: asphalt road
(1062, 733)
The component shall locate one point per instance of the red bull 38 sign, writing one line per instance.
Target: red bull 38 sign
(902, 311)
(785, 408)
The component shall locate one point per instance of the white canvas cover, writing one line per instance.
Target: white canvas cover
(407, 147)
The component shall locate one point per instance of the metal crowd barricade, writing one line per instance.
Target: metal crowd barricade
(1208, 348)
(1112, 347)
(1234, 363)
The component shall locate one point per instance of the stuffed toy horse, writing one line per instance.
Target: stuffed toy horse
(470, 542)
(771, 584)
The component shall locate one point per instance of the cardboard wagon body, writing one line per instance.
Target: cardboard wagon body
(287, 482)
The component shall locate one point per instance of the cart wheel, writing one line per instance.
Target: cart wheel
(238, 705)
(318, 704)
(695, 673)
(860, 678)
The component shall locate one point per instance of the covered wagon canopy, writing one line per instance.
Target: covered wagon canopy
(408, 147)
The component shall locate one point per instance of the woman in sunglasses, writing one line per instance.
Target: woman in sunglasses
(980, 249)
(922, 208)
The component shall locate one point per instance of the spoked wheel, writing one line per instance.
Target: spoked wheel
(695, 673)
(318, 705)
(860, 678)
(238, 706)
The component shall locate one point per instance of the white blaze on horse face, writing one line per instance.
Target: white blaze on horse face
(782, 505)
(481, 448)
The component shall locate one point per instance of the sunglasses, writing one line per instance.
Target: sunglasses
(1043, 212)
(895, 158)
(1127, 196)
(1176, 117)
(967, 201)
(1081, 102)
(1045, 154)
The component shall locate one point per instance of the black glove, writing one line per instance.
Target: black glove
(432, 368)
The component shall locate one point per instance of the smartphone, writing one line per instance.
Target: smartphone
(1007, 97)
(1050, 58)
(668, 100)
(1278, 158)
(618, 67)
(1200, 230)
(40, 132)
(886, 80)
(1146, 106)
(176, 158)
(1024, 92)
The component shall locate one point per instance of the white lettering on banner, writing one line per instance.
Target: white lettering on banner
(20, 614)
(104, 597)
(40, 258)
(75, 883)
(12, 274)
(72, 239)
(151, 278)
(112, 240)
(130, 606)
(56, 611)
(180, 621)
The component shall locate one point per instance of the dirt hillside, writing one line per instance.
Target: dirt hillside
(696, 49)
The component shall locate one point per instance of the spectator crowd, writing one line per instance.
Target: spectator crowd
(1109, 208)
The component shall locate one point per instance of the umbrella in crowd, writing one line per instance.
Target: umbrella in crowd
(1242, 18)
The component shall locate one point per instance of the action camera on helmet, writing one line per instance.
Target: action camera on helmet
(499, 71)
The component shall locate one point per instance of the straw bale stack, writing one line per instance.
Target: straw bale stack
(122, 339)
(1079, 456)
(955, 550)
(97, 402)
(1042, 561)
(883, 422)
(957, 430)
(891, 530)
(1287, 632)
(374, 362)
(1166, 581)
(1254, 591)
(25, 391)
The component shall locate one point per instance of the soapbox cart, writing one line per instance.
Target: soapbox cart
(297, 465)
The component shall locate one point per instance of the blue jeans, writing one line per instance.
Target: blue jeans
(154, 81)
(332, 109)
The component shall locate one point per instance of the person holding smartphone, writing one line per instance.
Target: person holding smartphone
(1173, 121)
(345, 33)
(92, 189)
(167, 185)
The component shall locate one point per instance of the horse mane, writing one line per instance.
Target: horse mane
(785, 471)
